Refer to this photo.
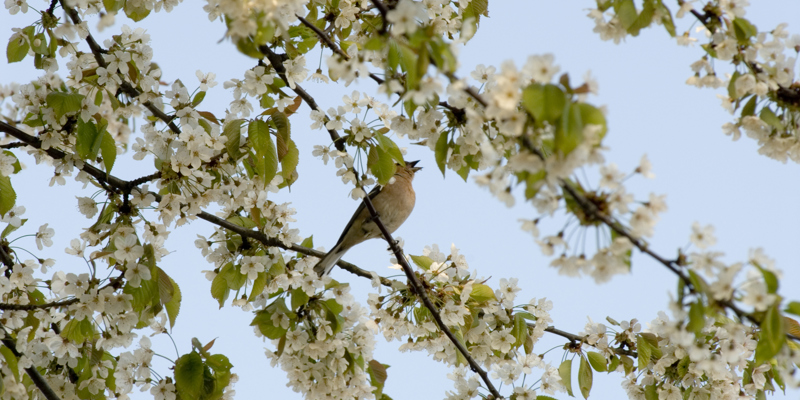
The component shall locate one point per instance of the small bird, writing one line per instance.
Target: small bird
(393, 203)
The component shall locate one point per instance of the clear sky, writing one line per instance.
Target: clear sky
(751, 200)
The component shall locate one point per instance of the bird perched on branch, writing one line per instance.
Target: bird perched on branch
(393, 203)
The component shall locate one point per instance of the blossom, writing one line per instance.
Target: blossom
(43, 236)
(702, 237)
(127, 248)
(136, 273)
(295, 71)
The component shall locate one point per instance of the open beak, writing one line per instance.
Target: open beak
(413, 165)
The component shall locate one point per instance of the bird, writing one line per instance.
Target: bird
(393, 202)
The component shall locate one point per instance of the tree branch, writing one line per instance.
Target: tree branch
(384, 12)
(422, 294)
(126, 87)
(582, 339)
(277, 63)
(32, 372)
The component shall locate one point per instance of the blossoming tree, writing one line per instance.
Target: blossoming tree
(522, 132)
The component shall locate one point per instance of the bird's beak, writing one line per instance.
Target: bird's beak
(413, 165)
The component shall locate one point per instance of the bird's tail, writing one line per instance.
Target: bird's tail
(325, 265)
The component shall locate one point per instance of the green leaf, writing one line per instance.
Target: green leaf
(136, 10)
(381, 165)
(189, 371)
(377, 375)
(88, 141)
(597, 361)
(41, 49)
(173, 306)
(219, 287)
(770, 118)
(113, 6)
(108, 149)
(258, 286)
(289, 163)
(544, 102)
(261, 140)
(232, 131)
(666, 18)
(198, 98)
(697, 318)
(770, 280)
(263, 321)
(591, 115)
(793, 308)
(242, 221)
(17, 48)
(11, 361)
(390, 147)
(650, 392)
(442, 148)
(408, 62)
(299, 298)
(7, 195)
(423, 262)
(772, 336)
(308, 242)
(569, 132)
(283, 128)
(565, 372)
(63, 103)
(585, 378)
(744, 30)
(750, 107)
(11, 228)
(482, 293)
(626, 13)
(645, 351)
(519, 330)
(644, 19)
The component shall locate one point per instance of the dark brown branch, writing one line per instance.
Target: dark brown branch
(384, 12)
(32, 372)
(582, 339)
(12, 145)
(5, 258)
(323, 37)
(422, 294)
(28, 307)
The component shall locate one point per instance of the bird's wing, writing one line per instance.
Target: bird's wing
(372, 193)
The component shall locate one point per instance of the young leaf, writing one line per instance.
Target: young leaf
(585, 378)
(565, 372)
(189, 371)
(17, 48)
(63, 103)
(7, 195)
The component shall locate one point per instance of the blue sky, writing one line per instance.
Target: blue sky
(751, 200)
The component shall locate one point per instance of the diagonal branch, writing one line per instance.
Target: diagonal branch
(277, 63)
(423, 295)
(32, 372)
